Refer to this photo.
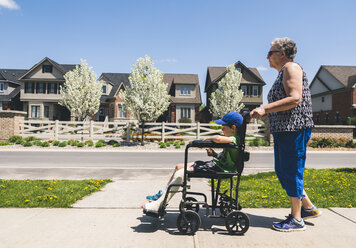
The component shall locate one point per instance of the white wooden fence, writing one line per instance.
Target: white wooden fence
(64, 130)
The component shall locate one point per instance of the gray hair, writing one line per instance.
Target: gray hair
(287, 45)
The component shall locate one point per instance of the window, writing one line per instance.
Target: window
(104, 89)
(112, 110)
(337, 118)
(29, 87)
(121, 110)
(322, 99)
(47, 68)
(185, 91)
(46, 111)
(326, 118)
(52, 88)
(255, 90)
(185, 112)
(317, 118)
(2, 87)
(238, 69)
(41, 88)
(35, 111)
(244, 89)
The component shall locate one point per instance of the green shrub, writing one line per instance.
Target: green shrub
(163, 145)
(100, 143)
(80, 144)
(37, 143)
(89, 142)
(116, 145)
(113, 142)
(19, 142)
(4, 143)
(352, 121)
(168, 144)
(27, 144)
(318, 142)
(258, 142)
(45, 144)
(185, 120)
(56, 143)
(15, 139)
(182, 143)
(75, 143)
(63, 144)
(177, 146)
(350, 144)
(30, 138)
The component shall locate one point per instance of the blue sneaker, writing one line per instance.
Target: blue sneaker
(289, 225)
(310, 213)
(154, 197)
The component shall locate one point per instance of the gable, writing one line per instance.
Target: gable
(329, 80)
(36, 72)
(318, 87)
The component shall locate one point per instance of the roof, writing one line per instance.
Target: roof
(12, 75)
(342, 73)
(116, 79)
(217, 73)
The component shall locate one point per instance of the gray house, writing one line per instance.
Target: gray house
(10, 89)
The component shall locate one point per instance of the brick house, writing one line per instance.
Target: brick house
(333, 94)
(183, 89)
(251, 84)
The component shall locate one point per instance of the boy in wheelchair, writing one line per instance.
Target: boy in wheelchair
(222, 162)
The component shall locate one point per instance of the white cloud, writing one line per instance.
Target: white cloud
(261, 68)
(10, 4)
(171, 60)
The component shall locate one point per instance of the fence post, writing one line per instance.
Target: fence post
(56, 130)
(163, 131)
(198, 130)
(128, 132)
(91, 130)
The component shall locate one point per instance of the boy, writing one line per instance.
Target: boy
(223, 162)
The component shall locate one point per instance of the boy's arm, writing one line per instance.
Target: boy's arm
(219, 139)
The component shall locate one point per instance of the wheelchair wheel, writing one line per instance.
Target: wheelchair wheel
(190, 224)
(226, 207)
(237, 223)
(189, 206)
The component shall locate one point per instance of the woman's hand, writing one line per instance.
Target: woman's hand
(210, 152)
(258, 112)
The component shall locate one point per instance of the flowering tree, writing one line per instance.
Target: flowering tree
(147, 97)
(227, 96)
(80, 92)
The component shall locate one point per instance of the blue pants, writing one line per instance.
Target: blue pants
(289, 159)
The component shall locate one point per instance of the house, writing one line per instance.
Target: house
(183, 89)
(251, 84)
(10, 89)
(333, 94)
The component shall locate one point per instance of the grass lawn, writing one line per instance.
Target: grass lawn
(46, 193)
(325, 187)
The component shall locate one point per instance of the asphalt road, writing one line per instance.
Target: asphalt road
(129, 165)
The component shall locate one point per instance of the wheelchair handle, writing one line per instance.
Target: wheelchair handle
(211, 144)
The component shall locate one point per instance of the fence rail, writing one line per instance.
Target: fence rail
(62, 130)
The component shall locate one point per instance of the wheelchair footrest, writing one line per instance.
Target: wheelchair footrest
(151, 213)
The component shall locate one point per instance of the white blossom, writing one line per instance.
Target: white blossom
(81, 92)
(227, 96)
(147, 97)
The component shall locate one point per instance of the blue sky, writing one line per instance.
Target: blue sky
(184, 36)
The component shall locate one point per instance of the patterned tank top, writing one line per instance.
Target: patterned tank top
(295, 119)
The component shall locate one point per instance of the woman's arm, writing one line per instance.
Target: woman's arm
(293, 85)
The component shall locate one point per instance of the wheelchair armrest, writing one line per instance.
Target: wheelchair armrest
(210, 144)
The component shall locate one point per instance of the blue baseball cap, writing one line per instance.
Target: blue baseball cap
(232, 118)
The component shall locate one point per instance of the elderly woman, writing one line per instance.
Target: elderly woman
(289, 111)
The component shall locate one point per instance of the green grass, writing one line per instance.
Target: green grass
(325, 187)
(46, 193)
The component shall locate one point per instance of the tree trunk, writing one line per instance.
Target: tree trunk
(142, 133)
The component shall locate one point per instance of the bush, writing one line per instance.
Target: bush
(4, 143)
(27, 144)
(37, 143)
(80, 144)
(19, 142)
(352, 121)
(89, 142)
(163, 145)
(185, 120)
(56, 143)
(116, 145)
(350, 144)
(177, 146)
(113, 142)
(182, 143)
(100, 143)
(30, 138)
(45, 144)
(15, 139)
(63, 144)
(258, 142)
(318, 142)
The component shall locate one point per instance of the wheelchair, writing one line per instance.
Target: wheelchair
(188, 221)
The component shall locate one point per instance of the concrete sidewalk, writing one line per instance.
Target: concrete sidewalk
(112, 218)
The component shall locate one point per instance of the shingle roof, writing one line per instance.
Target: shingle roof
(12, 75)
(117, 78)
(216, 73)
(342, 73)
